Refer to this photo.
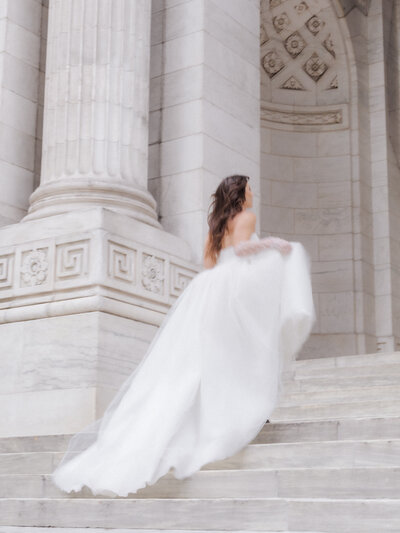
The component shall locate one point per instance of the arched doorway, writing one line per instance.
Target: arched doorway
(309, 159)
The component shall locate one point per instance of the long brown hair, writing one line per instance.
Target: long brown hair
(228, 199)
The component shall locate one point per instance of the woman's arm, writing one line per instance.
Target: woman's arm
(251, 247)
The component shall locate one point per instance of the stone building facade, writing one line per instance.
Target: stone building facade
(119, 119)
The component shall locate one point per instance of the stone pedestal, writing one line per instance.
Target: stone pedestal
(80, 301)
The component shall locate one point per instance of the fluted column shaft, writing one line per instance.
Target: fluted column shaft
(95, 135)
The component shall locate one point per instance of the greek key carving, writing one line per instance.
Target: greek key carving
(6, 270)
(121, 262)
(72, 259)
(180, 278)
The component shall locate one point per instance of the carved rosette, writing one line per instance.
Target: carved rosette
(301, 8)
(295, 44)
(315, 67)
(152, 274)
(315, 24)
(272, 63)
(281, 22)
(34, 268)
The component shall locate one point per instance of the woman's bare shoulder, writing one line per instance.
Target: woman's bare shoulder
(243, 225)
(244, 220)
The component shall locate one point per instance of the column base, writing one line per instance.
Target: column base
(62, 196)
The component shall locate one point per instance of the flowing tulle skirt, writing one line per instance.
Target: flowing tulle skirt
(210, 378)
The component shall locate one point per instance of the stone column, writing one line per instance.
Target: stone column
(95, 138)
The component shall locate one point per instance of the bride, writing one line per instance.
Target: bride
(211, 376)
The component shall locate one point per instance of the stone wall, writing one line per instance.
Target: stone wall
(204, 108)
(22, 27)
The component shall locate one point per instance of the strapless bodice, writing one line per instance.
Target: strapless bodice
(228, 252)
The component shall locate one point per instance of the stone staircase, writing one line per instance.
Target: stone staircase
(328, 461)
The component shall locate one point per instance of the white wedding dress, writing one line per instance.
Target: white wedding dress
(209, 380)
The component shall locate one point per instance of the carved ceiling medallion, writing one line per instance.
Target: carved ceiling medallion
(301, 8)
(281, 22)
(272, 63)
(328, 44)
(315, 67)
(302, 52)
(295, 44)
(275, 3)
(264, 38)
(334, 83)
(315, 24)
(293, 84)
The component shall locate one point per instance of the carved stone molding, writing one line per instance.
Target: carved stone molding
(90, 264)
(303, 118)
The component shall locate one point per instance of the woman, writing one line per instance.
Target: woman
(212, 373)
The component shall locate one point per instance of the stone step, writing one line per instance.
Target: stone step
(389, 392)
(354, 428)
(279, 455)
(312, 384)
(39, 443)
(365, 482)
(366, 359)
(347, 366)
(233, 514)
(320, 411)
(332, 454)
(348, 371)
(29, 529)
(387, 427)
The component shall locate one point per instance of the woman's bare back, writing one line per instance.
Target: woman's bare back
(243, 221)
